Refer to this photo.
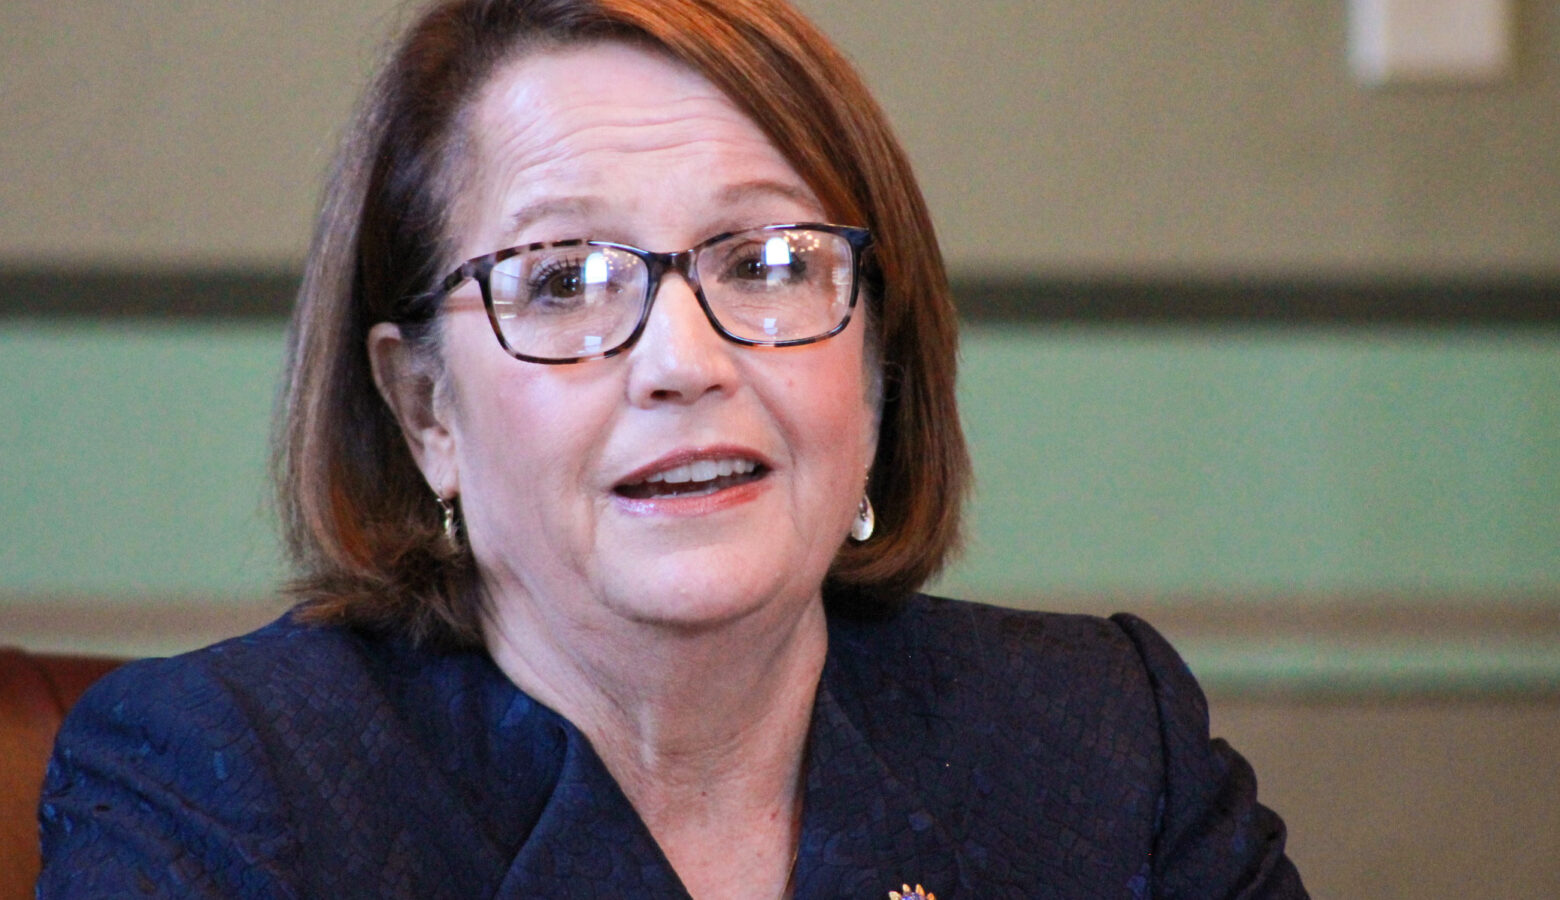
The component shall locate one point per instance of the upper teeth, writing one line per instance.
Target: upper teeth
(704, 470)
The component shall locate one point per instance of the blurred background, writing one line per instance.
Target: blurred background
(1262, 343)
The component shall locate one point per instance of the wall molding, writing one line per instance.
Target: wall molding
(128, 626)
(267, 294)
(150, 293)
(1381, 646)
(1359, 301)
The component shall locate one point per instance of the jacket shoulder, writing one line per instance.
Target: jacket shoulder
(1006, 654)
(274, 764)
(157, 738)
(280, 654)
(1014, 691)
(1033, 725)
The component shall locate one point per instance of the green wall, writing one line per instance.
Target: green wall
(135, 460)
(1121, 465)
(1139, 461)
(1262, 462)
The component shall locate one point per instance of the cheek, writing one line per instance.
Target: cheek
(526, 447)
(836, 420)
(520, 431)
(512, 428)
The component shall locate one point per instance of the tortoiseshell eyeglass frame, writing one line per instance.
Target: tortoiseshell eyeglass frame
(657, 265)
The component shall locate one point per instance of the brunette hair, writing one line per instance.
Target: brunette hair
(360, 522)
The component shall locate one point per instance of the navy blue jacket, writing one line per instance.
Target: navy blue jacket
(981, 752)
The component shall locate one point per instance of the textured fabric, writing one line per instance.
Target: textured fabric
(983, 753)
(36, 690)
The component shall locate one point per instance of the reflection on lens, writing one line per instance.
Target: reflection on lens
(577, 299)
(777, 252)
(802, 290)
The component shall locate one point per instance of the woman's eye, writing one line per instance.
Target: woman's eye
(564, 284)
(558, 283)
(768, 264)
(575, 282)
(753, 267)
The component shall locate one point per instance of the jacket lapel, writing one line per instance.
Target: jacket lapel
(589, 841)
(866, 829)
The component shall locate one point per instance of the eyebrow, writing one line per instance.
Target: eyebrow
(760, 189)
(528, 215)
(730, 195)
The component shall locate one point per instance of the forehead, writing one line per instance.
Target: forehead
(607, 83)
(610, 119)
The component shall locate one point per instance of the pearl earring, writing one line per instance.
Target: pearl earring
(865, 521)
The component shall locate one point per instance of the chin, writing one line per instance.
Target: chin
(675, 594)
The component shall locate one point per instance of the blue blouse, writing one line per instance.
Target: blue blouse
(980, 752)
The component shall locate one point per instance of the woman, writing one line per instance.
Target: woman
(609, 552)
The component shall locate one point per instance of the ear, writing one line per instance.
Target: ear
(872, 422)
(869, 439)
(412, 394)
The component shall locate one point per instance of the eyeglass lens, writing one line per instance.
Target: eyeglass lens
(582, 299)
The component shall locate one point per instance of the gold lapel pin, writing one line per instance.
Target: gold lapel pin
(904, 893)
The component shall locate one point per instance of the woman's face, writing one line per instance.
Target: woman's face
(617, 143)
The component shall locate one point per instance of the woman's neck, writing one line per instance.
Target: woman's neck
(704, 729)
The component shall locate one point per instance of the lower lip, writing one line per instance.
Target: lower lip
(688, 507)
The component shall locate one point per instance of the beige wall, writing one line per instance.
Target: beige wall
(1111, 135)
(1206, 134)
(173, 132)
(1401, 798)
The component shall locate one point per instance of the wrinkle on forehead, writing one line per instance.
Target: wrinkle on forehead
(535, 140)
(544, 137)
(522, 121)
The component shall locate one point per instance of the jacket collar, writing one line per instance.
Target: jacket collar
(866, 829)
(588, 840)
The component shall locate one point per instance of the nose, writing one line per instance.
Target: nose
(679, 358)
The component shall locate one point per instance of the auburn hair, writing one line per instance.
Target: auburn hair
(360, 523)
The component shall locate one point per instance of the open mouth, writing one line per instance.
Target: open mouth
(694, 479)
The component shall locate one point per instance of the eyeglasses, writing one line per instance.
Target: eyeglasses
(578, 300)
